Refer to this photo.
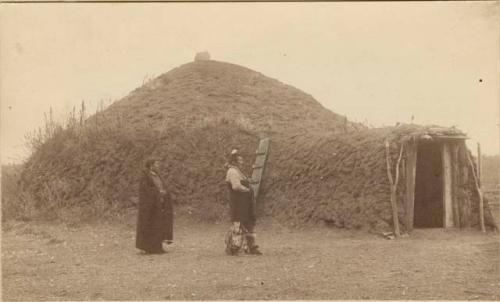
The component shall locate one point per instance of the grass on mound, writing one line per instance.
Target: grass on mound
(81, 171)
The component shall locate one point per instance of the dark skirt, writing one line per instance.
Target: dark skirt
(241, 206)
(154, 224)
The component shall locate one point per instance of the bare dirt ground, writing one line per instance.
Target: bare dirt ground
(92, 262)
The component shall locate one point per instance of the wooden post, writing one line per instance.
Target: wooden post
(410, 167)
(465, 215)
(480, 185)
(479, 191)
(455, 185)
(479, 166)
(447, 189)
(394, 186)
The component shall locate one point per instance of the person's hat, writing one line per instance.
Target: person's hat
(233, 156)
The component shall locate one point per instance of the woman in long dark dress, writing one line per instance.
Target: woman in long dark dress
(155, 217)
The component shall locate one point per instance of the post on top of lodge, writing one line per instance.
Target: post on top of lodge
(437, 175)
(202, 56)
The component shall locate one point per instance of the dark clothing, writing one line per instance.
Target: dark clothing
(241, 206)
(242, 210)
(155, 217)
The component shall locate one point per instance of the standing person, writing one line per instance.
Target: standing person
(155, 217)
(241, 204)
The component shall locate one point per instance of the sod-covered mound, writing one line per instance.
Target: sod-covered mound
(200, 92)
(103, 168)
(342, 179)
(190, 118)
(321, 168)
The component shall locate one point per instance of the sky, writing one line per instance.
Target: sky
(379, 63)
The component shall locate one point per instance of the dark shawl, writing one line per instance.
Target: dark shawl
(155, 215)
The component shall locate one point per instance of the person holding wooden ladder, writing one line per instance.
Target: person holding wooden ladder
(241, 206)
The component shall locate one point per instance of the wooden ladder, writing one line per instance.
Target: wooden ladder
(259, 166)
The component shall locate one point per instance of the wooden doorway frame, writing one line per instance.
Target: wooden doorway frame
(451, 180)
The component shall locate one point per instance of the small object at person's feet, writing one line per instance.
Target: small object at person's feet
(255, 251)
(156, 252)
(231, 252)
(169, 241)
